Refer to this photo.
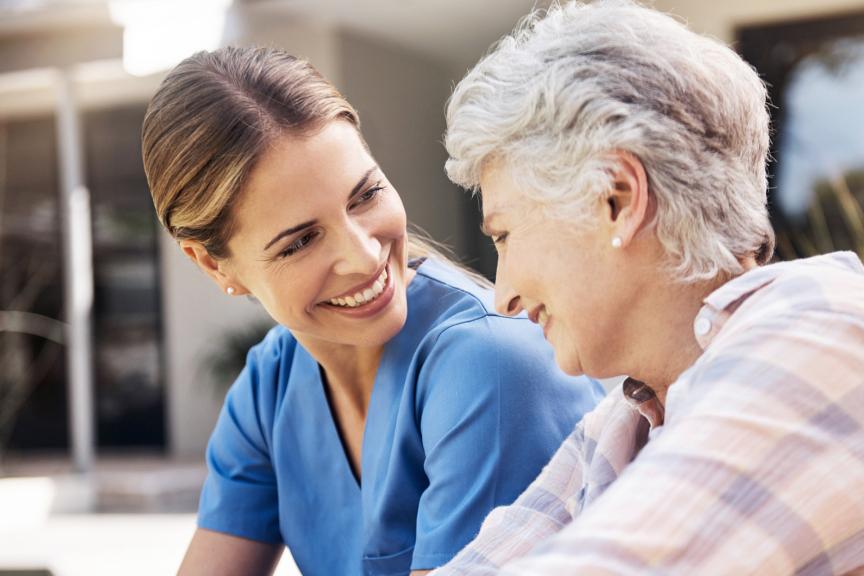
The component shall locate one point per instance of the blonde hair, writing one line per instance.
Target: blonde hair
(209, 122)
(552, 99)
(212, 118)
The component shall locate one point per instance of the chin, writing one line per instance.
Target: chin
(569, 363)
(385, 334)
(572, 370)
(387, 327)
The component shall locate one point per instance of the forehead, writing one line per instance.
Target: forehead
(292, 162)
(500, 194)
(297, 177)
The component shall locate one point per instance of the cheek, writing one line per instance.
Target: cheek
(392, 221)
(519, 266)
(591, 332)
(573, 339)
(291, 291)
(570, 363)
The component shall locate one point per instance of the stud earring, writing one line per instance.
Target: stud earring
(617, 242)
(230, 290)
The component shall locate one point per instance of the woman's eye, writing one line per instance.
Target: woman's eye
(499, 239)
(368, 196)
(298, 244)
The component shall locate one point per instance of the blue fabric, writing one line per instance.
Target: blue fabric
(467, 407)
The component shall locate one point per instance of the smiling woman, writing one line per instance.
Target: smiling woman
(622, 163)
(391, 409)
(319, 222)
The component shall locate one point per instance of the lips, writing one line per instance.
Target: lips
(538, 315)
(379, 302)
(362, 295)
(545, 322)
(543, 317)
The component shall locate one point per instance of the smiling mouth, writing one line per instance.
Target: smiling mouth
(363, 297)
(539, 316)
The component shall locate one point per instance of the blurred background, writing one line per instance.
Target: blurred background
(115, 352)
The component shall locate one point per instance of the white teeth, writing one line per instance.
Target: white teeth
(367, 295)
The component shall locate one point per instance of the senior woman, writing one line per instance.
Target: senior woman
(621, 160)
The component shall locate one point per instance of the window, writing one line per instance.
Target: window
(815, 72)
(129, 381)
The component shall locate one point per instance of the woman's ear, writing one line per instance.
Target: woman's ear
(214, 268)
(628, 209)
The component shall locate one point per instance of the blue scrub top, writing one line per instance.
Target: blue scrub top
(467, 408)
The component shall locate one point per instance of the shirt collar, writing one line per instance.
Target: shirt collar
(722, 303)
(641, 397)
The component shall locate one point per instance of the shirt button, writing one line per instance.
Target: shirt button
(702, 326)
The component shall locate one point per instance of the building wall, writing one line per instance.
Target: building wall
(720, 19)
(60, 48)
(197, 317)
(400, 97)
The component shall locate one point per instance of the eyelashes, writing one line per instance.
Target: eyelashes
(298, 244)
(369, 195)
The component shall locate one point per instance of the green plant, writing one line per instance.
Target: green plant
(226, 358)
(835, 220)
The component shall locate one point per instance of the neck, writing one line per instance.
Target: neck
(349, 371)
(669, 347)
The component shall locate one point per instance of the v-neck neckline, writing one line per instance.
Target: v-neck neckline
(321, 397)
(356, 475)
(333, 433)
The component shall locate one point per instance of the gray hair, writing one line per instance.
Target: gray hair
(554, 98)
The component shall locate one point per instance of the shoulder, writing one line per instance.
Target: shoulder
(785, 301)
(451, 306)
(464, 336)
(829, 282)
(276, 345)
(270, 360)
(445, 288)
(261, 383)
(481, 356)
(491, 338)
(797, 337)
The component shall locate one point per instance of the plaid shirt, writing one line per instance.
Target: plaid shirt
(756, 467)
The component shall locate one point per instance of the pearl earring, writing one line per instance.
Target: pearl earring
(230, 290)
(617, 242)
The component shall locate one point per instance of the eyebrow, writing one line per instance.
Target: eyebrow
(294, 229)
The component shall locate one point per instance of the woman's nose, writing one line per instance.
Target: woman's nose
(507, 301)
(359, 252)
